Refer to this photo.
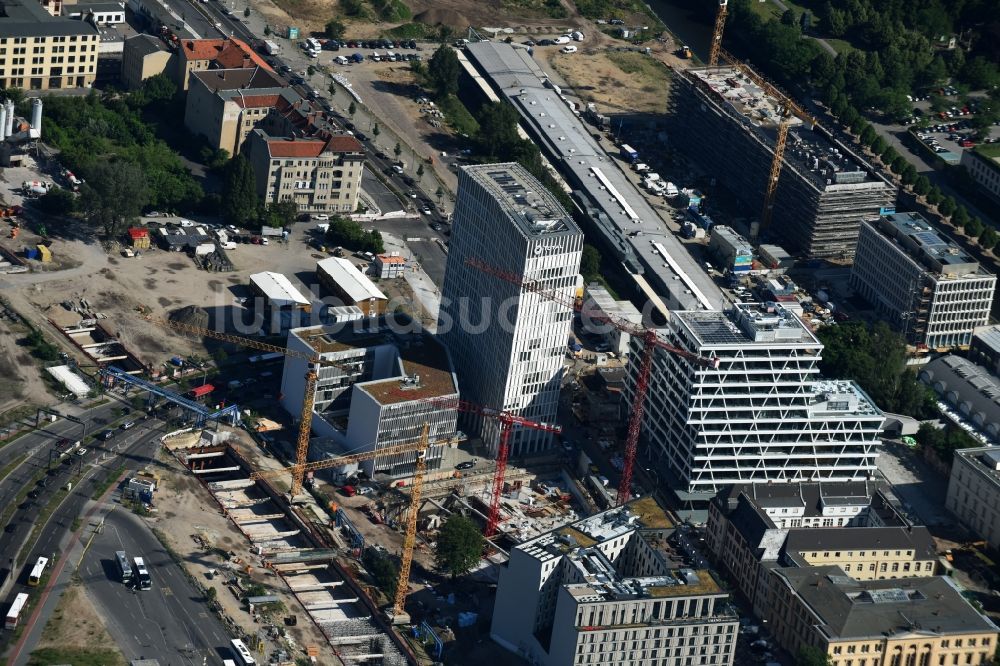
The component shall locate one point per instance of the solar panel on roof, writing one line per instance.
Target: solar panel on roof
(891, 596)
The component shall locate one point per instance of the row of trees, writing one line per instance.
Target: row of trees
(240, 204)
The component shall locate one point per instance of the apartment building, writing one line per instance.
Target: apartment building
(320, 174)
(612, 589)
(508, 343)
(974, 492)
(143, 57)
(922, 282)
(984, 169)
(902, 622)
(383, 389)
(195, 55)
(224, 105)
(761, 416)
(857, 526)
(39, 51)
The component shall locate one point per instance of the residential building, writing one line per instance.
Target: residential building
(761, 416)
(728, 124)
(388, 266)
(974, 492)
(145, 56)
(382, 391)
(320, 174)
(508, 343)
(348, 283)
(921, 281)
(612, 589)
(984, 168)
(857, 526)
(600, 307)
(39, 51)
(224, 105)
(902, 622)
(970, 390)
(985, 348)
(196, 55)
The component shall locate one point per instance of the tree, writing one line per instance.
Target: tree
(898, 164)
(420, 170)
(352, 109)
(334, 29)
(310, 71)
(497, 129)
(246, 12)
(868, 135)
(934, 196)
(590, 263)
(57, 202)
(278, 214)
(383, 571)
(397, 150)
(459, 545)
(375, 130)
(974, 228)
(921, 186)
(114, 194)
(960, 217)
(988, 238)
(980, 73)
(888, 155)
(443, 70)
(211, 593)
(811, 656)
(878, 145)
(267, 31)
(947, 206)
(239, 193)
(788, 18)
(439, 193)
(909, 174)
(348, 233)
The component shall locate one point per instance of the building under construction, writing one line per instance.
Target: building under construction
(824, 192)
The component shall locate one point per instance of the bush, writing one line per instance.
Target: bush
(349, 234)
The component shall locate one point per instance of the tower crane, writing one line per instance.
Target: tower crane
(314, 360)
(720, 26)
(410, 538)
(788, 110)
(650, 342)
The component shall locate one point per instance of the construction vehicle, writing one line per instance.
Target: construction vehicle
(650, 342)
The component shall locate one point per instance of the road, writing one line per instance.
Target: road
(170, 622)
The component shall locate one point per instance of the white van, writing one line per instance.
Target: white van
(341, 60)
(569, 49)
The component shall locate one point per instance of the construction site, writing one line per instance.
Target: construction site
(732, 123)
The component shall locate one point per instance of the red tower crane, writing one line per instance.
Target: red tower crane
(507, 422)
(650, 341)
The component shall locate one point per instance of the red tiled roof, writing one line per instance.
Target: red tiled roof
(343, 143)
(313, 147)
(199, 391)
(390, 259)
(138, 232)
(256, 101)
(229, 53)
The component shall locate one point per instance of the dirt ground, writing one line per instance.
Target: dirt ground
(615, 81)
(192, 514)
(75, 624)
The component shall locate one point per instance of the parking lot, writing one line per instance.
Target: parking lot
(920, 488)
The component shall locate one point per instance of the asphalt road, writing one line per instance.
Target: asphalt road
(169, 622)
(383, 197)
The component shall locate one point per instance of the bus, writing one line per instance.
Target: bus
(143, 581)
(124, 567)
(242, 653)
(14, 614)
(35, 576)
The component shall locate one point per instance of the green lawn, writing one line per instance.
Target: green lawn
(989, 150)
(841, 45)
(456, 115)
(766, 10)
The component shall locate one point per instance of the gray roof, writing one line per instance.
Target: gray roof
(145, 45)
(243, 78)
(97, 7)
(934, 251)
(971, 388)
(917, 539)
(811, 495)
(27, 18)
(985, 460)
(615, 204)
(848, 609)
(989, 336)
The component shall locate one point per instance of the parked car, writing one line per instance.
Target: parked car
(468, 464)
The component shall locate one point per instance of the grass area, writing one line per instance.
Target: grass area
(989, 150)
(549, 8)
(765, 10)
(411, 31)
(458, 116)
(840, 45)
(75, 656)
(606, 9)
(111, 477)
(641, 64)
(17, 414)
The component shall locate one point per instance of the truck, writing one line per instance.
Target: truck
(270, 48)
(629, 153)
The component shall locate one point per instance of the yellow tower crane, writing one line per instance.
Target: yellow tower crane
(420, 447)
(314, 363)
(720, 26)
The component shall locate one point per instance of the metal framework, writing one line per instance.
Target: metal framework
(410, 538)
(112, 374)
(772, 179)
(720, 26)
(305, 416)
(650, 341)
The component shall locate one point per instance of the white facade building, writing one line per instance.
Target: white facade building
(508, 345)
(762, 416)
(984, 170)
(601, 303)
(385, 389)
(611, 589)
(921, 281)
(974, 492)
